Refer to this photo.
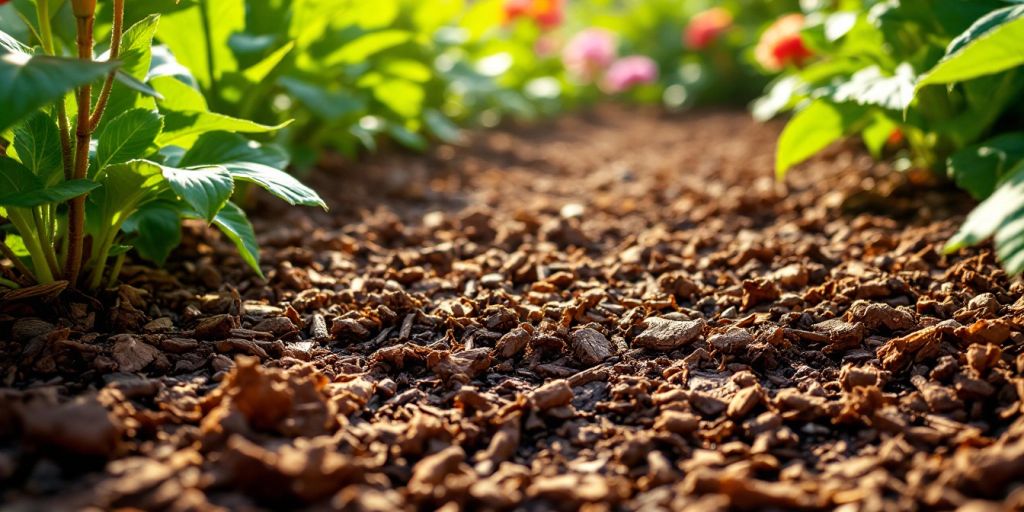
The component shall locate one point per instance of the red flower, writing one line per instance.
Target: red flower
(705, 27)
(781, 45)
(546, 13)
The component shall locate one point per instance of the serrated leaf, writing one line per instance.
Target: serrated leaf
(205, 189)
(37, 142)
(29, 82)
(127, 137)
(15, 178)
(252, 162)
(124, 188)
(135, 52)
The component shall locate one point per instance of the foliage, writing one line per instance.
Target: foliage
(938, 83)
(92, 172)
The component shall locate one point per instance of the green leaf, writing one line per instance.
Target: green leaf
(28, 83)
(403, 97)
(441, 126)
(124, 188)
(127, 137)
(205, 189)
(10, 44)
(37, 142)
(254, 163)
(156, 230)
(977, 169)
(812, 130)
(993, 44)
(15, 178)
(366, 46)
(327, 105)
(56, 194)
(136, 52)
(870, 86)
(1001, 216)
(199, 37)
(178, 95)
(407, 138)
(261, 70)
(182, 128)
(236, 226)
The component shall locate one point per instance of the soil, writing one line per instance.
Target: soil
(617, 310)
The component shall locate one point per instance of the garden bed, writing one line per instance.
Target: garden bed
(616, 310)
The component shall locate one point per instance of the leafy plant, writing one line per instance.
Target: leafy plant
(92, 172)
(930, 81)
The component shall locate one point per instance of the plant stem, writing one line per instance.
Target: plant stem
(45, 242)
(76, 219)
(9, 284)
(43, 274)
(45, 31)
(115, 272)
(101, 257)
(211, 63)
(9, 254)
(115, 50)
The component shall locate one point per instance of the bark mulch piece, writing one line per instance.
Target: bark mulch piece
(616, 310)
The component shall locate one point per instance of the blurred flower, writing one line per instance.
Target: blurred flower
(706, 26)
(546, 13)
(547, 45)
(895, 138)
(588, 53)
(628, 72)
(781, 44)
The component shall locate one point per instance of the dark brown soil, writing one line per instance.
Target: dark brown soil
(615, 311)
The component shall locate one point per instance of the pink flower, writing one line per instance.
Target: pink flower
(781, 44)
(628, 72)
(706, 26)
(588, 53)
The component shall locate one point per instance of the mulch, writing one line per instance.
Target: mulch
(616, 310)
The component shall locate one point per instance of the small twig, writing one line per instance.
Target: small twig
(76, 216)
(115, 50)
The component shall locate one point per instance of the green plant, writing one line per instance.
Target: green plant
(160, 155)
(928, 81)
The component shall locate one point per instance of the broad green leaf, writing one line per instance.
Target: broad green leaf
(403, 97)
(28, 83)
(199, 38)
(124, 188)
(249, 161)
(37, 142)
(327, 105)
(236, 226)
(441, 126)
(978, 168)
(182, 128)
(156, 230)
(1000, 216)
(994, 43)
(15, 178)
(262, 69)
(178, 95)
(135, 84)
(127, 137)
(876, 134)
(205, 189)
(366, 46)
(812, 130)
(55, 194)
